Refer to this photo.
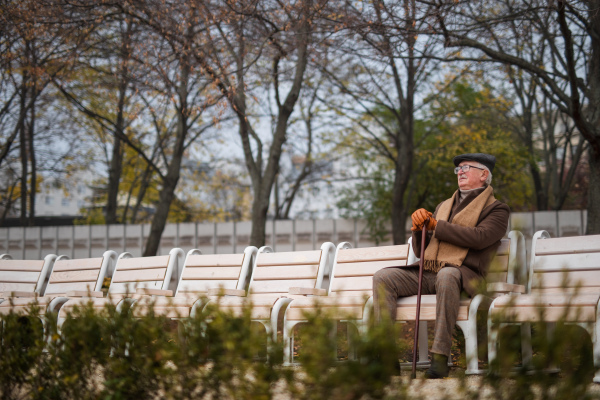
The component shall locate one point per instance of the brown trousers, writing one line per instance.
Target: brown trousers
(391, 283)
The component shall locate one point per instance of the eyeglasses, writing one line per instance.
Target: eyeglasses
(466, 168)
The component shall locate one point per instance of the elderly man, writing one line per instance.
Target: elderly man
(464, 232)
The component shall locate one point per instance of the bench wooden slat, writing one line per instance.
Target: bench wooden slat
(569, 290)
(153, 274)
(496, 277)
(120, 288)
(550, 314)
(168, 312)
(352, 284)
(204, 285)
(279, 286)
(228, 272)
(141, 263)
(373, 253)
(214, 260)
(365, 268)
(573, 278)
(77, 264)
(353, 312)
(499, 264)
(558, 262)
(17, 287)
(568, 245)
(89, 275)
(301, 271)
(504, 248)
(21, 265)
(289, 258)
(63, 288)
(550, 300)
(427, 313)
(19, 276)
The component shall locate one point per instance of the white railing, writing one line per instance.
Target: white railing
(232, 237)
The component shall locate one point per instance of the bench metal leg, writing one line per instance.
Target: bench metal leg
(288, 341)
(493, 331)
(526, 351)
(596, 343)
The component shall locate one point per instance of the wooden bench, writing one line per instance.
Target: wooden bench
(79, 277)
(202, 274)
(24, 278)
(351, 291)
(551, 298)
(278, 278)
(151, 273)
(349, 297)
(507, 274)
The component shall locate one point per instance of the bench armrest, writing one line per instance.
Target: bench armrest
(84, 293)
(307, 291)
(154, 292)
(18, 294)
(226, 292)
(501, 287)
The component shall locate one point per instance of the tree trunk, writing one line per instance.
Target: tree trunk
(141, 193)
(24, 163)
(593, 220)
(540, 193)
(167, 194)
(33, 184)
(263, 182)
(116, 166)
(593, 217)
(260, 207)
(398, 211)
(114, 178)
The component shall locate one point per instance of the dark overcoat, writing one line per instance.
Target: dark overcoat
(482, 240)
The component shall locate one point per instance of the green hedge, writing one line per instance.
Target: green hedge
(216, 355)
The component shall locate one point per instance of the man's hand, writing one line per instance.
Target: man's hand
(418, 218)
(432, 224)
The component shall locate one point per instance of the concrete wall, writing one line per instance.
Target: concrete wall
(232, 237)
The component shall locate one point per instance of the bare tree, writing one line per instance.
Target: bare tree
(237, 45)
(107, 89)
(36, 48)
(385, 59)
(569, 73)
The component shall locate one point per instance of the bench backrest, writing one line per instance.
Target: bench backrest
(85, 274)
(566, 264)
(353, 269)
(24, 275)
(202, 272)
(509, 264)
(145, 272)
(275, 273)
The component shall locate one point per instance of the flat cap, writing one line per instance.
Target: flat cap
(486, 159)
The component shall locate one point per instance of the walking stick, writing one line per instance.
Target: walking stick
(421, 261)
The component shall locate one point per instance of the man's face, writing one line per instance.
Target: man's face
(472, 179)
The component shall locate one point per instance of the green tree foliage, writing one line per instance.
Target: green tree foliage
(463, 119)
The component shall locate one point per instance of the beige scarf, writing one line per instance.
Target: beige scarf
(439, 254)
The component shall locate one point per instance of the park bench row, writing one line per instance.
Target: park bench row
(286, 285)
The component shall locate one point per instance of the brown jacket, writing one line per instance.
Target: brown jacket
(482, 240)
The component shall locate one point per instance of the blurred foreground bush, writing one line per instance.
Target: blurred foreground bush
(216, 355)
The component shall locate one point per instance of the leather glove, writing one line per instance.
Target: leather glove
(418, 217)
(432, 224)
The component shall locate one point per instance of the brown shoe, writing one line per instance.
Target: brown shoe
(439, 367)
